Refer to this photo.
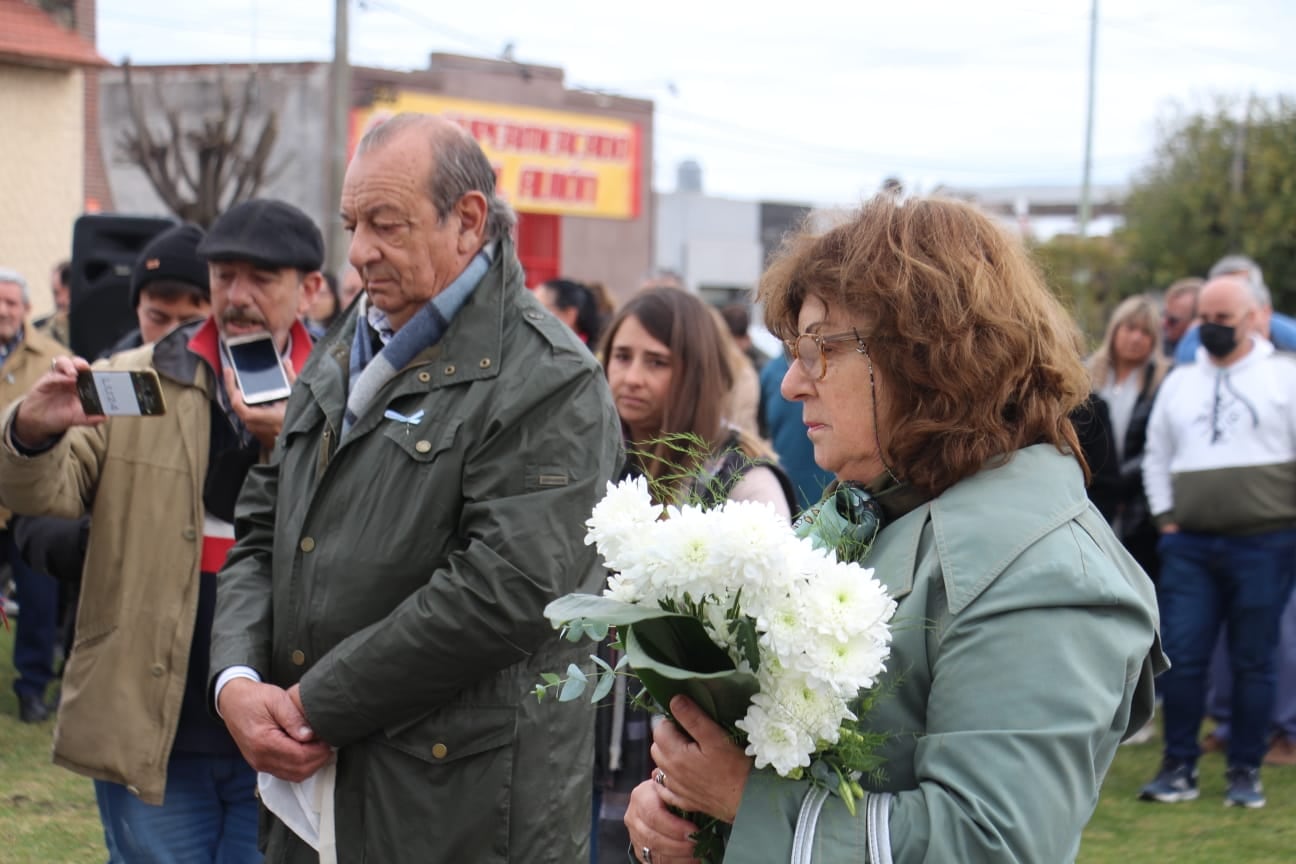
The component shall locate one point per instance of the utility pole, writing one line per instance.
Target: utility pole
(1089, 121)
(339, 134)
(1237, 176)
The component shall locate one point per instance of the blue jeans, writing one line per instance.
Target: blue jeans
(1207, 581)
(1221, 682)
(36, 630)
(209, 815)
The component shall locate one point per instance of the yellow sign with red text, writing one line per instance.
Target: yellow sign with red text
(545, 161)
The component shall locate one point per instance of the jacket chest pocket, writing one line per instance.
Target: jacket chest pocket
(423, 440)
(440, 789)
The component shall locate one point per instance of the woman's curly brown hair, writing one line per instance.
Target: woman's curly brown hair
(978, 358)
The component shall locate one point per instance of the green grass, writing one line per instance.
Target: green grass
(1194, 832)
(48, 815)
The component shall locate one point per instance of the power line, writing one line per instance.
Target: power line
(463, 37)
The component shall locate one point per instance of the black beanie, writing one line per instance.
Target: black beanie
(171, 255)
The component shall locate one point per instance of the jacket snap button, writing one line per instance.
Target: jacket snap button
(439, 750)
(424, 377)
(308, 544)
(423, 446)
(485, 363)
(449, 370)
(298, 657)
(157, 670)
(189, 534)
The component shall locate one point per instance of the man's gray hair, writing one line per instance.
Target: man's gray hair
(8, 274)
(459, 167)
(1244, 266)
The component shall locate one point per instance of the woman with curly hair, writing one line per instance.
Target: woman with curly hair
(937, 371)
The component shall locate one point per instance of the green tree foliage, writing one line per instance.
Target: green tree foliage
(1221, 182)
(1091, 275)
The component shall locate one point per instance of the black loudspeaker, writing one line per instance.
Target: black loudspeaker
(104, 249)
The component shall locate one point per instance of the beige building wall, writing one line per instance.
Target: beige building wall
(41, 171)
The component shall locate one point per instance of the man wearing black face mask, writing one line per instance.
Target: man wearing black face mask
(1220, 475)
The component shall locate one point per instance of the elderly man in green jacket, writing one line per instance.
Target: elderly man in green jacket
(379, 620)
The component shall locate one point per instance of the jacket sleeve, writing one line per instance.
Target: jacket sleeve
(1158, 452)
(60, 481)
(1019, 731)
(241, 629)
(528, 487)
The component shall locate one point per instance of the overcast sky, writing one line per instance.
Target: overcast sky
(813, 100)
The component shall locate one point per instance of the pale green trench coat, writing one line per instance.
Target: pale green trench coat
(1025, 645)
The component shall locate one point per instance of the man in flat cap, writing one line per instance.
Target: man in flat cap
(169, 780)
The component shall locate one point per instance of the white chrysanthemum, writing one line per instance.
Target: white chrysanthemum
(813, 706)
(623, 587)
(750, 540)
(774, 738)
(784, 634)
(843, 600)
(683, 556)
(625, 511)
(847, 665)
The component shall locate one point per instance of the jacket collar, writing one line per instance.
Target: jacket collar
(470, 350)
(179, 354)
(1036, 490)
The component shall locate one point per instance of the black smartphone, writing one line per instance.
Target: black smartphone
(137, 393)
(258, 369)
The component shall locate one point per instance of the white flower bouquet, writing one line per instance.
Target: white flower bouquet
(768, 628)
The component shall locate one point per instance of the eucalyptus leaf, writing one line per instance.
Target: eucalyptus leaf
(596, 630)
(605, 610)
(572, 689)
(604, 687)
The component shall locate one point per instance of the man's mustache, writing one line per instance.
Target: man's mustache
(236, 317)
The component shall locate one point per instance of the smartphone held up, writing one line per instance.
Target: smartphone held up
(258, 369)
(137, 393)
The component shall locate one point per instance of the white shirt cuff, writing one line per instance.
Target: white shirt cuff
(229, 675)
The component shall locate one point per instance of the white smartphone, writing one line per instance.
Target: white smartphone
(258, 369)
(120, 394)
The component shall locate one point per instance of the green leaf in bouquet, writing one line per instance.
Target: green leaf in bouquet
(744, 632)
(575, 685)
(551, 678)
(673, 655)
(586, 609)
(604, 686)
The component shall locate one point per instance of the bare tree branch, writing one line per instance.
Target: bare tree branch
(200, 171)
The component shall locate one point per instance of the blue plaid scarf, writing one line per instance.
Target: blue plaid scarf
(369, 373)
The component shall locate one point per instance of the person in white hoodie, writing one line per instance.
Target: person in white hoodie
(1220, 474)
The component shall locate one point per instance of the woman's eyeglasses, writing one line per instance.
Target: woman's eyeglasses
(807, 349)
